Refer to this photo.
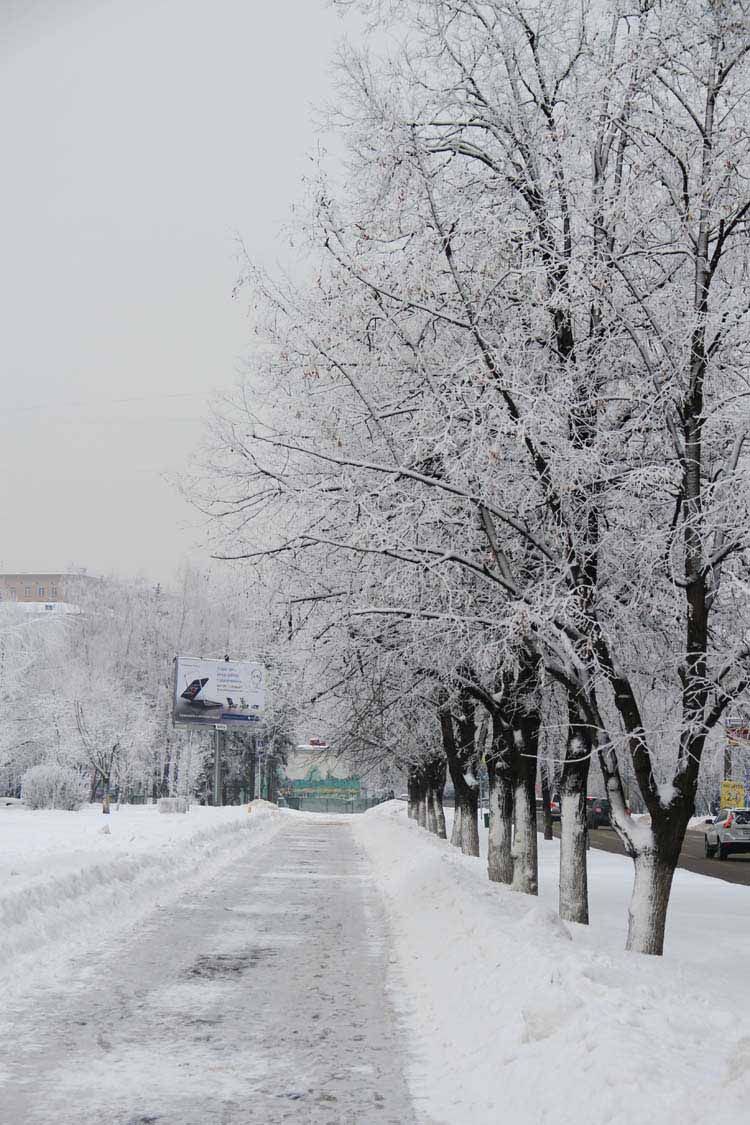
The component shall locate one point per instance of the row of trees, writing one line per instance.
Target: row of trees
(490, 457)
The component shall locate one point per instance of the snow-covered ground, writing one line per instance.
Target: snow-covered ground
(65, 879)
(257, 996)
(505, 1012)
(515, 1016)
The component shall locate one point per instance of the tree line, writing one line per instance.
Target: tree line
(489, 459)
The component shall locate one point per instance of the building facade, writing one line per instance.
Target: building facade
(36, 587)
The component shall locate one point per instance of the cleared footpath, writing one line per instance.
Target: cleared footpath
(259, 998)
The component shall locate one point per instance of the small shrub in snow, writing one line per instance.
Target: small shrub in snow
(49, 786)
(172, 804)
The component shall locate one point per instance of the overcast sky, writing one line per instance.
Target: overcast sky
(138, 138)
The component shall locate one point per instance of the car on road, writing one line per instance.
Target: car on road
(728, 833)
(598, 812)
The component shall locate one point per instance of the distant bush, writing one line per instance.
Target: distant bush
(50, 786)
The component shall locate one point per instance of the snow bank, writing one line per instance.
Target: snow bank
(516, 1015)
(66, 881)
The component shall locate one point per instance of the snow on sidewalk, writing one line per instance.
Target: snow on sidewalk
(256, 998)
(64, 882)
(513, 1013)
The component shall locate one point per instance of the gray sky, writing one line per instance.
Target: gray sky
(138, 137)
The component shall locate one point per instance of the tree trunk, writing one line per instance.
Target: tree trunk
(411, 789)
(574, 902)
(462, 764)
(430, 818)
(647, 913)
(421, 802)
(468, 784)
(655, 859)
(525, 860)
(470, 823)
(437, 797)
(469, 801)
(499, 851)
(546, 808)
(574, 906)
(435, 776)
(456, 829)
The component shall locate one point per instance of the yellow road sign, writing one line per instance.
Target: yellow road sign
(732, 795)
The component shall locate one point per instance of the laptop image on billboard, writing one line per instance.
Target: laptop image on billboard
(192, 694)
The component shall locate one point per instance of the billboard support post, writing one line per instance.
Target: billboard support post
(259, 755)
(217, 766)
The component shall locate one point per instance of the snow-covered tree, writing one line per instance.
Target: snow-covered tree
(510, 403)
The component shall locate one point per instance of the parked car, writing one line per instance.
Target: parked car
(598, 812)
(729, 832)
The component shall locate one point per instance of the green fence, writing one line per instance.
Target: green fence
(331, 804)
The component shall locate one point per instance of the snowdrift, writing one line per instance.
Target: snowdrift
(66, 881)
(515, 1015)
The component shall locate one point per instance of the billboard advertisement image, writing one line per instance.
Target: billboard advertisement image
(208, 692)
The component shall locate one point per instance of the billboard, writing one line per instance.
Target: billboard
(208, 692)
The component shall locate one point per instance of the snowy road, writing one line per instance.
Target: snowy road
(259, 998)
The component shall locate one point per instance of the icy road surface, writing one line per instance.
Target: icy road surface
(259, 998)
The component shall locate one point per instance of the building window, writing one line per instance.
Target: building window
(27, 591)
(12, 593)
(53, 591)
(40, 591)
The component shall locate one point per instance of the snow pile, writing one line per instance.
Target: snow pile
(68, 878)
(515, 1015)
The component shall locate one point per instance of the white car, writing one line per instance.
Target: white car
(729, 832)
